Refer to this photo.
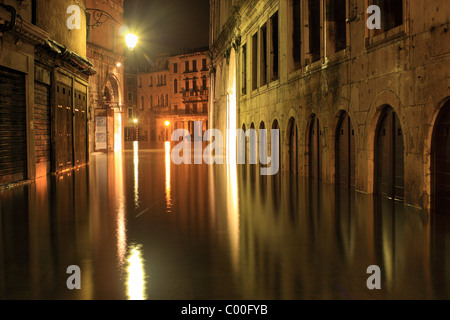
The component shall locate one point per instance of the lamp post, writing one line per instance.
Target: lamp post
(167, 124)
(136, 127)
(131, 40)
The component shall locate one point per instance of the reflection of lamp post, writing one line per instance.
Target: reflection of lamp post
(136, 128)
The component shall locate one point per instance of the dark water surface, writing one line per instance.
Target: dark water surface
(140, 227)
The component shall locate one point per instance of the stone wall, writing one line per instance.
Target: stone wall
(406, 68)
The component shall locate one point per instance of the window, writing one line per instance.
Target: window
(296, 34)
(263, 54)
(194, 65)
(140, 82)
(175, 86)
(175, 108)
(130, 113)
(204, 86)
(142, 103)
(336, 26)
(167, 99)
(187, 85)
(391, 14)
(205, 108)
(151, 81)
(195, 108)
(255, 61)
(34, 12)
(130, 96)
(314, 29)
(274, 47)
(194, 84)
(165, 80)
(204, 65)
(175, 68)
(244, 69)
(186, 66)
(129, 81)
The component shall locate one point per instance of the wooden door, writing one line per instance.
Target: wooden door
(390, 157)
(314, 150)
(345, 153)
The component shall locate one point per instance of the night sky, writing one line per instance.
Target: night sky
(167, 26)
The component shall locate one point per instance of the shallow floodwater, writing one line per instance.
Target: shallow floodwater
(140, 227)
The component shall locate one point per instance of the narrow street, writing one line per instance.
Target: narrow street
(140, 227)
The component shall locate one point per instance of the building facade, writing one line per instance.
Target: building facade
(43, 94)
(105, 47)
(363, 108)
(173, 94)
(131, 132)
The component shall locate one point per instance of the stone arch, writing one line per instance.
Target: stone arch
(112, 84)
(436, 101)
(383, 99)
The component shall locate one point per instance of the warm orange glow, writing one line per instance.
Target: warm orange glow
(167, 123)
(120, 205)
(118, 64)
(135, 120)
(131, 41)
(136, 173)
(168, 186)
(117, 131)
(136, 281)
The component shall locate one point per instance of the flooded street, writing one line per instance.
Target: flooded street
(140, 227)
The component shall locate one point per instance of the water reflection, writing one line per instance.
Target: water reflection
(136, 173)
(117, 180)
(168, 162)
(233, 211)
(136, 283)
(232, 235)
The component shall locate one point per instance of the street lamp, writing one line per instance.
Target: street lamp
(167, 123)
(136, 128)
(131, 40)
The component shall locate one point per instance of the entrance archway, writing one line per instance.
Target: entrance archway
(345, 152)
(292, 145)
(441, 162)
(314, 149)
(389, 156)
